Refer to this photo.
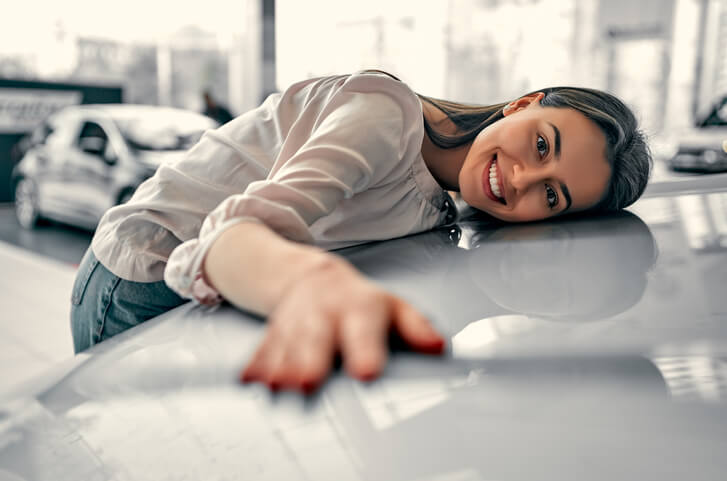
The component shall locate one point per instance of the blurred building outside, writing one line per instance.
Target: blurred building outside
(171, 65)
(666, 58)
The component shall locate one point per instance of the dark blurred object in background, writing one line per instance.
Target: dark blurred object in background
(214, 109)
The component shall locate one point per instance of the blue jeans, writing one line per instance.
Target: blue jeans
(103, 304)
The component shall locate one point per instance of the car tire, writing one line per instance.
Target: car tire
(26, 203)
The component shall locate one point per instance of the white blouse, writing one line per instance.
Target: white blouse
(333, 161)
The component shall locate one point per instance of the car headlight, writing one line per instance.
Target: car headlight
(710, 156)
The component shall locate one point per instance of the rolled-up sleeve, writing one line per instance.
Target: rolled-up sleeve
(355, 142)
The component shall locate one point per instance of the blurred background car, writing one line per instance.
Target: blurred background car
(85, 159)
(704, 148)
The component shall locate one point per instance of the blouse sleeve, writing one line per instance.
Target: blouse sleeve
(357, 141)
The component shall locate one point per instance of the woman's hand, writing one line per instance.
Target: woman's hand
(317, 305)
(334, 309)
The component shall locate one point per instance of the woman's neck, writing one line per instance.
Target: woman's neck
(443, 164)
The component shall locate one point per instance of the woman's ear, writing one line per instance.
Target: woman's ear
(521, 103)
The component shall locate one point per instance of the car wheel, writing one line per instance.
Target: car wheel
(26, 203)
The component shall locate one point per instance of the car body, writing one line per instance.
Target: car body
(84, 159)
(578, 349)
(704, 147)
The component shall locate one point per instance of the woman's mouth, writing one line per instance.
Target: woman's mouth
(492, 182)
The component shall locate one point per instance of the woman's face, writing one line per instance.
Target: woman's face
(535, 163)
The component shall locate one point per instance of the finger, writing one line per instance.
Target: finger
(281, 370)
(253, 369)
(315, 358)
(258, 367)
(415, 329)
(280, 366)
(363, 343)
(307, 355)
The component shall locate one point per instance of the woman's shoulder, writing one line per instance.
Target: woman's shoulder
(377, 81)
(327, 87)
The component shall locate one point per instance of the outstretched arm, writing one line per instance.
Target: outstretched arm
(317, 305)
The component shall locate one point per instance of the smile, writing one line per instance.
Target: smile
(492, 182)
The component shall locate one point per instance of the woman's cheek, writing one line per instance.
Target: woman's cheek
(529, 209)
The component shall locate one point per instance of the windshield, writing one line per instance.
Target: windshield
(162, 128)
(718, 115)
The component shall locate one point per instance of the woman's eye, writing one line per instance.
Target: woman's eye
(551, 196)
(542, 145)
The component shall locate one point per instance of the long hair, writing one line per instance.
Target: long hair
(627, 152)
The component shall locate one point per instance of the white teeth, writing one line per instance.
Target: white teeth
(493, 180)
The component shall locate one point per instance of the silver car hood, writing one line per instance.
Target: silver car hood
(579, 350)
(704, 137)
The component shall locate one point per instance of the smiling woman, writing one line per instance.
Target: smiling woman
(550, 152)
(248, 213)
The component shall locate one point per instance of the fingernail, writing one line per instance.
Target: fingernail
(436, 346)
(308, 387)
(367, 376)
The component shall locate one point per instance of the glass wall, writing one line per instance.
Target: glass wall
(160, 52)
(488, 51)
(664, 57)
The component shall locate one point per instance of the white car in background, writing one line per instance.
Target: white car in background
(85, 159)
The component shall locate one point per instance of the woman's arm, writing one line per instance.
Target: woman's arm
(317, 305)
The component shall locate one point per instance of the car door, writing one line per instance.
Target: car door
(90, 172)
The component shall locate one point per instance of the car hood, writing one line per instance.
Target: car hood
(705, 137)
(584, 349)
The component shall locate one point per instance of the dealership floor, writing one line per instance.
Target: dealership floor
(38, 270)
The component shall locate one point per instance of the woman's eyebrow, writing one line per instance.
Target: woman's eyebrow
(557, 140)
(563, 187)
(566, 194)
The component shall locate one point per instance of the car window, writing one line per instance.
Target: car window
(718, 116)
(92, 129)
(722, 113)
(93, 139)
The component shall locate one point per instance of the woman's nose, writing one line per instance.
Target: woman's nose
(523, 177)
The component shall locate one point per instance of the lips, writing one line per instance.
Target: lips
(492, 181)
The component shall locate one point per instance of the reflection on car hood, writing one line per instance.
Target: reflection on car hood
(582, 349)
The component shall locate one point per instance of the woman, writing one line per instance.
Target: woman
(249, 213)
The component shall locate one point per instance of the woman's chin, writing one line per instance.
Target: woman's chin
(489, 208)
(499, 215)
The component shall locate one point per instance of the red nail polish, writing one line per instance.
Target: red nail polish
(436, 347)
(308, 387)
